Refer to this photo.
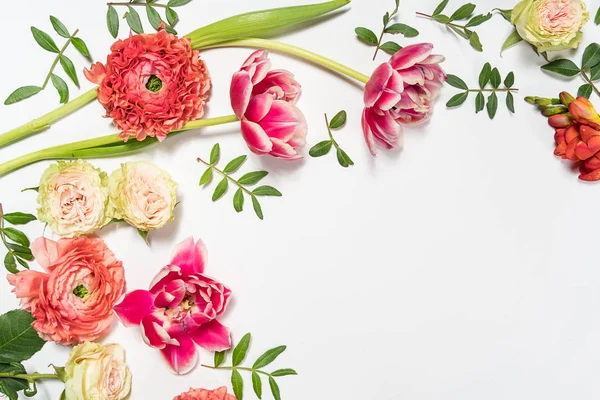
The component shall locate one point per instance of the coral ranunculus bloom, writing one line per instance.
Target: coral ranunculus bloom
(204, 394)
(151, 84)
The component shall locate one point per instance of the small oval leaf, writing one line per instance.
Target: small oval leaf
(22, 93)
(456, 82)
(268, 357)
(238, 200)
(321, 148)
(257, 208)
(220, 189)
(44, 40)
(252, 178)
(133, 20)
(240, 350)
(366, 35)
(457, 99)
(338, 120)
(59, 27)
(215, 153)
(234, 164)
(112, 21)
(69, 69)
(18, 218)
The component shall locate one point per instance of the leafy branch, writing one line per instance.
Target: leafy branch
(322, 148)
(134, 21)
(237, 382)
(16, 242)
(589, 70)
(47, 43)
(369, 37)
(249, 179)
(463, 13)
(487, 76)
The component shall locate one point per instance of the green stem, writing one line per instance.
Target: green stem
(589, 80)
(28, 377)
(447, 23)
(494, 90)
(104, 146)
(138, 4)
(337, 147)
(232, 180)
(258, 371)
(296, 51)
(44, 122)
(60, 53)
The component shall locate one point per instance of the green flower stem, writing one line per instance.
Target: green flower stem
(44, 122)
(60, 53)
(296, 51)
(589, 80)
(258, 371)
(28, 377)
(104, 146)
(232, 180)
(336, 145)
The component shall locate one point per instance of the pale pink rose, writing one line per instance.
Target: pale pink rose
(400, 92)
(151, 84)
(72, 301)
(265, 103)
(204, 394)
(180, 309)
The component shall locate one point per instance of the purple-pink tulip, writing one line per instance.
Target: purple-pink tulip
(180, 309)
(401, 91)
(264, 101)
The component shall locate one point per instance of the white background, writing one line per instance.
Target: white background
(463, 267)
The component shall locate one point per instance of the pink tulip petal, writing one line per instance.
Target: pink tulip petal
(256, 137)
(134, 307)
(433, 59)
(283, 150)
(411, 55)
(377, 83)
(388, 99)
(190, 257)
(45, 251)
(368, 133)
(240, 92)
(413, 76)
(153, 333)
(213, 336)
(282, 120)
(259, 107)
(164, 276)
(183, 358)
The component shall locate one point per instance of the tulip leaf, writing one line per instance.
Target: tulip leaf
(510, 102)
(59, 27)
(485, 74)
(440, 7)
(492, 105)
(463, 12)
(563, 67)
(456, 82)
(274, 388)
(238, 200)
(585, 91)
(22, 93)
(112, 21)
(479, 102)
(457, 99)
(44, 40)
(366, 35)
(257, 384)
(591, 56)
(390, 47)
(237, 383)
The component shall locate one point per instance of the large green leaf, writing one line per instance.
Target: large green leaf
(18, 340)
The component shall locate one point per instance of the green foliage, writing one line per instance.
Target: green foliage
(134, 21)
(323, 147)
(16, 242)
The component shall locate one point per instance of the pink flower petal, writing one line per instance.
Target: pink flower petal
(153, 333)
(213, 336)
(27, 284)
(283, 150)
(259, 107)
(256, 137)
(240, 92)
(45, 251)
(190, 257)
(134, 307)
(377, 83)
(282, 121)
(182, 358)
(411, 55)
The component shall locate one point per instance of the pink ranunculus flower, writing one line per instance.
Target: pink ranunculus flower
(204, 394)
(73, 300)
(180, 309)
(264, 101)
(151, 84)
(401, 92)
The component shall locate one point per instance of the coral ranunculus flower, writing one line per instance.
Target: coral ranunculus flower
(180, 309)
(151, 84)
(73, 300)
(204, 394)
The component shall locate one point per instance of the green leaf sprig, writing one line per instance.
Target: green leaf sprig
(16, 242)
(589, 70)
(132, 17)
(597, 18)
(322, 148)
(463, 13)
(488, 76)
(249, 179)
(47, 43)
(369, 37)
(238, 356)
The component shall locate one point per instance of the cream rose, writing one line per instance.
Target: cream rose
(97, 372)
(551, 25)
(73, 198)
(143, 195)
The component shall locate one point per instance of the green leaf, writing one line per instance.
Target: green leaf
(10, 393)
(220, 189)
(460, 32)
(585, 91)
(268, 357)
(153, 17)
(485, 74)
(206, 176)
(366, 35)
(479, 102)
(10, 264)
(257, 207)
(252, 178)
(16, 236)
(133, 20)
(284, 372)
(18, 340)
(257, 384)
(597, 18)
(338, 120)
(240, 350)
(512, 40)
(172, 17)
(321, 148)
(492, 105)
(60, 372)
(274, 388)
(215, 153)
(23, 263)
(15, 384)
(343, 158)
(59, 27)
(22, 93)
(440, 7)
(80, 45)
(44, 40)
(509, 81)
(506, 14)
(457, 99)
(510, 102)
(386, 18)
(595, 72)
(495, 78)
(69, 69)
(475, 42)
(178, 3)
(61, 88)
(33, 189)
(143, 235)
(21, 251)
(238, 200)
(234, 164)
(563, 67)
(478, 20)
(456, 82)
(441, 18)
(237, 383)
(390, 47)
(266, 191)
(407, 31)
(591, 56)
(463, 12)
(112, 21)
(219, 358)
(18, 218)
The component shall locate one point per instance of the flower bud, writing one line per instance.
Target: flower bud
(554, 110)
(566, 98)
(560, 120)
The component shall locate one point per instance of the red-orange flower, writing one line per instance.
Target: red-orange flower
(151, 84)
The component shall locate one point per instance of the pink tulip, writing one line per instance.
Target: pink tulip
(180, 309)
(400, 92)
(264, 101)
